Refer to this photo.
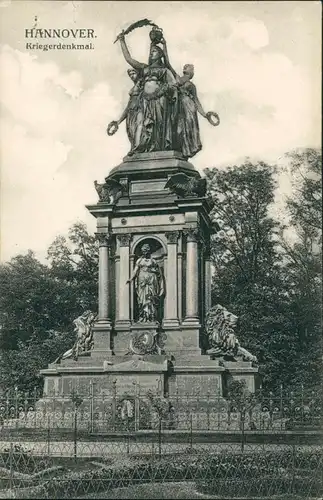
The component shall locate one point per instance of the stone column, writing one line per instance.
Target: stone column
(117, 270)
(104, 242)
(192, 276)
(208, 279)
(123, 289)
(102, 327)
(180, 279)
(132, 295)
(171, 299)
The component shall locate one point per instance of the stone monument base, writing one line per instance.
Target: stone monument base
(195, 387)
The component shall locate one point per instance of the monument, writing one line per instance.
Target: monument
(155, 324)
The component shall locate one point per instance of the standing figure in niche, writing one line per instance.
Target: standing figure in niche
(149, 285)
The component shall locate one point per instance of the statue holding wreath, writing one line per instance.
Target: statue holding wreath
(162, 110)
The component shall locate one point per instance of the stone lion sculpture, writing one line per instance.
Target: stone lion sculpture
(220, 328)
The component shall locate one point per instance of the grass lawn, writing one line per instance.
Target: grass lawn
(169, 491)
(183, 490)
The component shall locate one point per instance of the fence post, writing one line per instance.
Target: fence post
(91, 408)
(159, 436)
(137, 407)
(11, 466)
(75, 434)
(281, 407)
(16, 407)
(293, 466)
(128, 436)
(191, 431)
(48, 435)
(208, 411)
(114, 404)
(242, 430)
(34, 404)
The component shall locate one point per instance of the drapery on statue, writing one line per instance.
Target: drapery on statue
(149, 285)
(84, 336)
(162, 110)
(220, 327)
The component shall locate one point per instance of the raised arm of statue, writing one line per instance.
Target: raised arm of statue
(126, 54)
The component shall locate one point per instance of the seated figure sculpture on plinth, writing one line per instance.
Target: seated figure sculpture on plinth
(83, 328)
(162, 111)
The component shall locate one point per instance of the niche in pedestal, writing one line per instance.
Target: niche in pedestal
(141, 297)
(148, 287)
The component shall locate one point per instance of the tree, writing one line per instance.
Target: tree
(249, 276)
(304, 264)
(32, 302)
(305, 206)
(74, 261)
(21, 367)
(38, 304)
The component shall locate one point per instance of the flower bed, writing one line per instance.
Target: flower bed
(223, 474)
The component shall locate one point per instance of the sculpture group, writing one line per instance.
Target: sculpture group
(162, 112)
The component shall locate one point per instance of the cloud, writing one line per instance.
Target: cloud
(252, 32)
(53, 145)
(56, 106)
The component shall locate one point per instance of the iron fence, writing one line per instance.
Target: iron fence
(113, 412)
(79, 445)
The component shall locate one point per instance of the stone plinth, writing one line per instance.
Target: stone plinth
(182, 341)
(116, 374)
(242, 370)
(196, 375)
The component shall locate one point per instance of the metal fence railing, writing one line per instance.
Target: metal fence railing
(113, 412)
(78, 445)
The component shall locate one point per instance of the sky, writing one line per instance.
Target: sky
(257, 64)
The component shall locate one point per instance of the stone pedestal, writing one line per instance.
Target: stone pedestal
(241, 370)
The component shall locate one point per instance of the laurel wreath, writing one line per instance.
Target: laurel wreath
(133, 26)
(142, 342)
(112, 128)
(209, 116)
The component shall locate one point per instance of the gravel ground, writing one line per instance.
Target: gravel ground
(108, 449)
(171, 491)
